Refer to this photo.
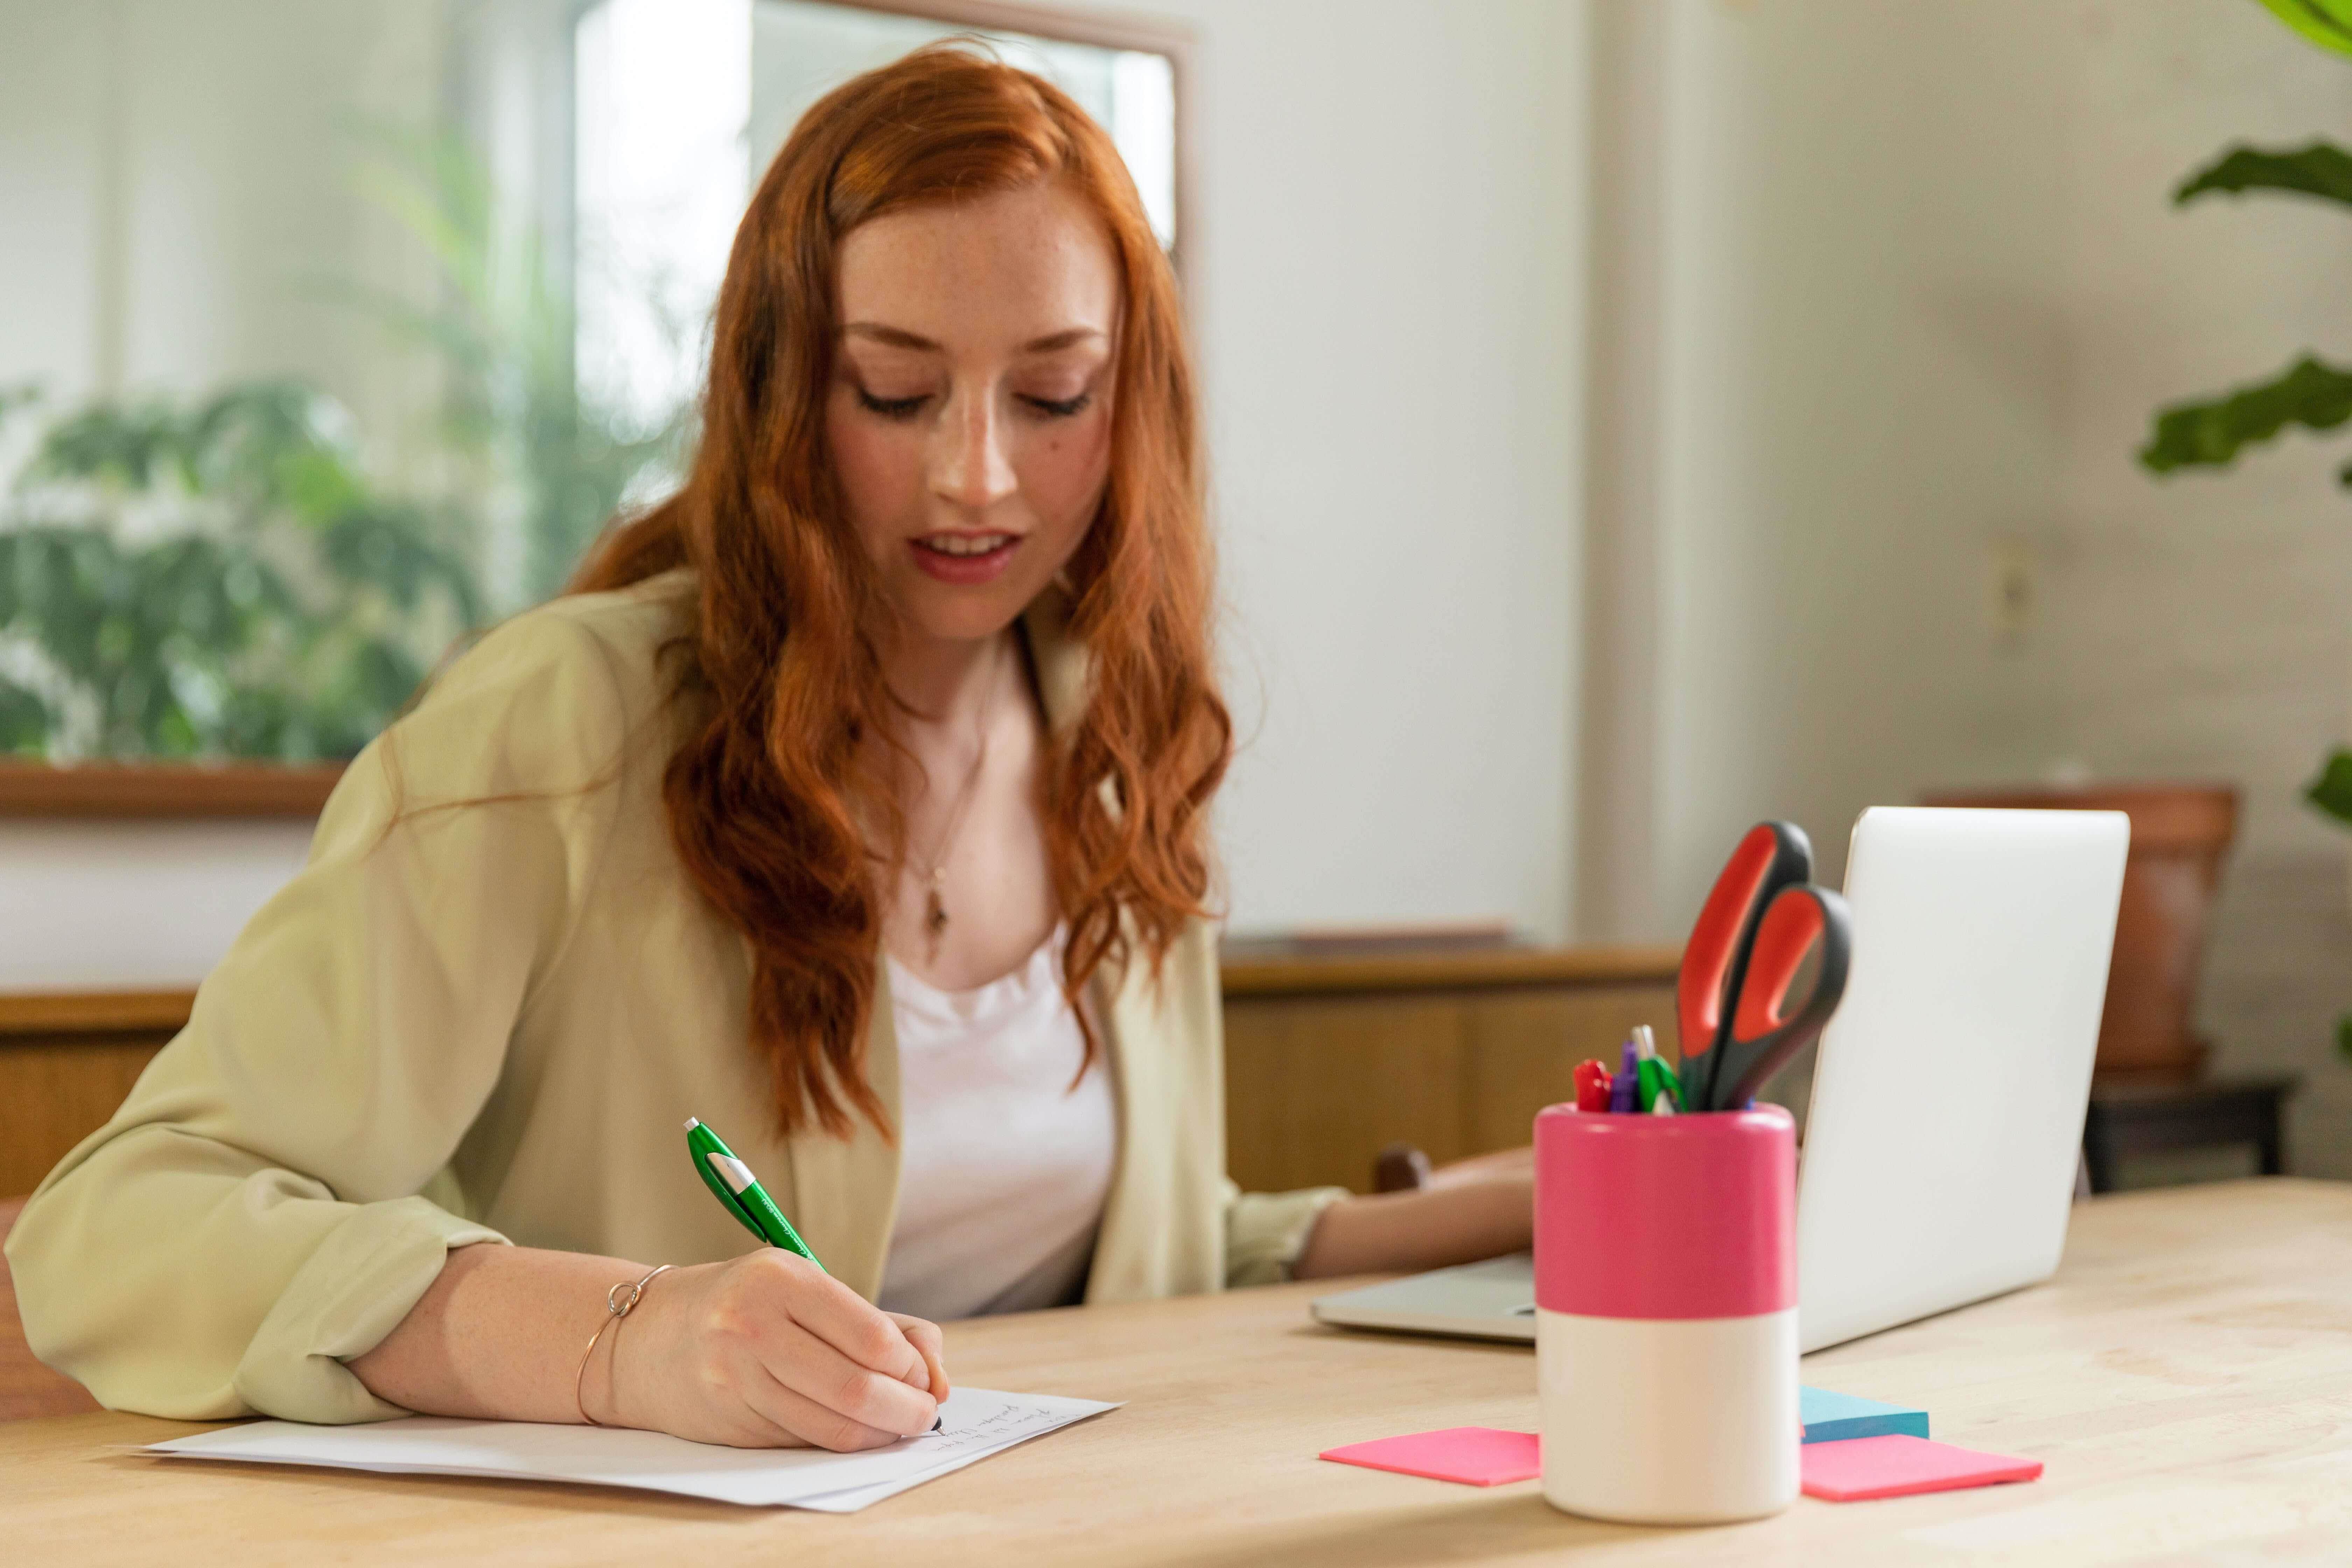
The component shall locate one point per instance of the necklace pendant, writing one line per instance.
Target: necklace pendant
(935, 914)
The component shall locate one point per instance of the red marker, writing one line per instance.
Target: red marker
(1592, 1086)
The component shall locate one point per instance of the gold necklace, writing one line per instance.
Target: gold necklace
(935, 873)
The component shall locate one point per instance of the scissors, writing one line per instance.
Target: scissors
(1759, 925)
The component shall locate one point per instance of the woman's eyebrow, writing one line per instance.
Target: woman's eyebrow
(1068, 337)
(897, 337)
(900, 338)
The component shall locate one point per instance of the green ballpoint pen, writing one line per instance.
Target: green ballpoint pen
(731, 1182)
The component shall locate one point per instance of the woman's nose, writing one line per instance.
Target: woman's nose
(969, 465)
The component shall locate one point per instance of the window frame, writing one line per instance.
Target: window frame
(186, 791)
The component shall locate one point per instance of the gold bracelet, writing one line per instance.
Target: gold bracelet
(616, 1306)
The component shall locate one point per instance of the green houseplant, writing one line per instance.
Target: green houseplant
(217, 576)
(213, 577)
(2310, 394)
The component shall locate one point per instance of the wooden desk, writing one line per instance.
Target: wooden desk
(2187, 1378)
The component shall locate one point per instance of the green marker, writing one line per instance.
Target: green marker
(1658, 1081)
(731, 1182)
(1654, 1080)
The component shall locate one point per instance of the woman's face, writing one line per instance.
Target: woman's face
(969, 418)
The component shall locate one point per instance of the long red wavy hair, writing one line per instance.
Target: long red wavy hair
(767, 795)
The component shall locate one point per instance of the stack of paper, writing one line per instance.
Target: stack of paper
(975, 1422)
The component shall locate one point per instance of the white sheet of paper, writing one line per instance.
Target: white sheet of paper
(977, 1422)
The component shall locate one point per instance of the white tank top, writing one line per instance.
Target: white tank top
(1003, 1166)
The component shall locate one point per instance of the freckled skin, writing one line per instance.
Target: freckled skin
(983, 281)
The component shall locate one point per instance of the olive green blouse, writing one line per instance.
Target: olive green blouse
(488, 1023)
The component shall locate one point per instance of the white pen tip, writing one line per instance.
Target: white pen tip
(692, 1122)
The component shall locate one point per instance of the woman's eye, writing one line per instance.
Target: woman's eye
(1062, 408)
(892, 407)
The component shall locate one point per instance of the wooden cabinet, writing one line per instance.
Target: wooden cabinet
(65, 1062)
(1327, 1059)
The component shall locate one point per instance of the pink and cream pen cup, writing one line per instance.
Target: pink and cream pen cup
(1667, 1313)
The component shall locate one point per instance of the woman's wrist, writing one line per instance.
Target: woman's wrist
(625, 1304)
(1402, 1232)
(499, 1335)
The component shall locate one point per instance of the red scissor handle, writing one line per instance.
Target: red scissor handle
(1771, 856)
(1764, 1030)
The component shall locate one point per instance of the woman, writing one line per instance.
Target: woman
(856, 801)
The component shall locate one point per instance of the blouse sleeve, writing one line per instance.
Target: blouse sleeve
(256, 1211)
(1265, 1232)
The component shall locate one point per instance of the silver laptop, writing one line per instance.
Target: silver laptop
(1946, 1110)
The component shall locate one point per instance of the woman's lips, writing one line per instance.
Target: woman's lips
(965, 558)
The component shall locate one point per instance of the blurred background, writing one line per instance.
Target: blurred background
(1629, 419)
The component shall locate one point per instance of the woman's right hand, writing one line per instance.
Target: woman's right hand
(769, 1350)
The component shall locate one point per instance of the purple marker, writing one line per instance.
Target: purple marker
(1625, 1093)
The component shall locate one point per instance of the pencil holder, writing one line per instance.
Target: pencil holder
(1667, 1313)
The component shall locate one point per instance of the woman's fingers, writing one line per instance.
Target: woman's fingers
(802, 1420)
(812, 1368)
(932, 1345)
(845, 1320)
(770, 1349)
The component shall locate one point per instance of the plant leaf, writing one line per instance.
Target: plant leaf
(2209, 434)
(2322, 169)
(2331, 792)
(23, 720)
(2327, 22)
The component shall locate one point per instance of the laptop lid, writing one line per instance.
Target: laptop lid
(1947, 1111)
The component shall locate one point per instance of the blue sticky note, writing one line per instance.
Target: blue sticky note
(1832, 1418)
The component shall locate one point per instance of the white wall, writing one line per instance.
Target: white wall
(1885, 292)
(1389, 279)
(1838, 238)
(103, 906)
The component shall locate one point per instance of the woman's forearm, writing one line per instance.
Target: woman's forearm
(1442, 1224)
(498, 1336)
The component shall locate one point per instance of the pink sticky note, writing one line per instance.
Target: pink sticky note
(1897, 1465)
(1476, 1456)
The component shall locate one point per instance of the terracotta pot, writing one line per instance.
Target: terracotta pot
(2179, 835)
